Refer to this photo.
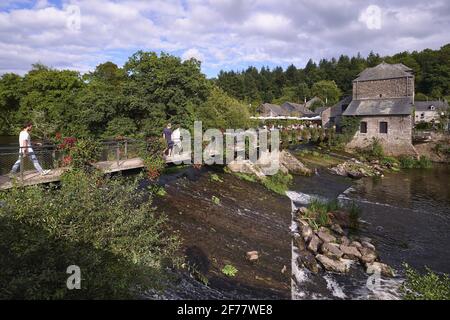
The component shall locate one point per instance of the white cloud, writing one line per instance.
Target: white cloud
(220, 33)
(193, 53)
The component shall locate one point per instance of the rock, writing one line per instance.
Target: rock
(339, 170)
(350, 252)
(365, 239)
(307, 260)
(367, 255)
(337, 228)
(368, 245)
(354, 174)
(342, 218)
(331, 250)
(313, 244)
(332, 265)
(306, 232)
(293, 164)
(356, 244)
(302, 222)
(345, 241)
(380, 268)
(246, 166)
(302, 211)
(252, 256)
(299, 242)
(326, 236)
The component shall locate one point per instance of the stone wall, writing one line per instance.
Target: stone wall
(397, 141)
(427, 116)
(387, 88)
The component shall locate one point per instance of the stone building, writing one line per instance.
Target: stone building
(382, 99)
(429, 111)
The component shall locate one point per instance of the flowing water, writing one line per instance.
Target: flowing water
(407, 215)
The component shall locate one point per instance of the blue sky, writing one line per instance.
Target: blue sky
(223, 34)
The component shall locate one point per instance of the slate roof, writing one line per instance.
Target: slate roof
(277, 110)
(336, 110)
(296, 107)
(425, 105)
(379, 107)
(385, 71)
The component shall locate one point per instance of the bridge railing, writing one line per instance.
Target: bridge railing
(50, 156)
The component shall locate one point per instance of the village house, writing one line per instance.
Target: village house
(382, 98)
(429, 111)
(287, 109)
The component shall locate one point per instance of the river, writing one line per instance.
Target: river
(407, 215)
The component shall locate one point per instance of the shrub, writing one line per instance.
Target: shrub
(278, 183)
(84, 152)
(229, 270)
(408, 162)
(103, 225)
(428, 286)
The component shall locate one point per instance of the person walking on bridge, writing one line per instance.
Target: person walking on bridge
(26, 150)
(167, 135)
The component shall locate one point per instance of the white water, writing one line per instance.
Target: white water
(386, 289)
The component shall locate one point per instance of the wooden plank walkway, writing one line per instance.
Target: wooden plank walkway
(33, 177)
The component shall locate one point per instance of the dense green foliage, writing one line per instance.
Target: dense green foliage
(431, 68)
(106, 227)
(136, 100)
(409, 162)
(428, 286)
(278, 183)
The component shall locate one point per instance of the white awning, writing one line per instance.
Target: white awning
(288, 118)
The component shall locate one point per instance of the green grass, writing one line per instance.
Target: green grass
(408, 162)
(215, 178)
(427, 286)
(355, 212)
(229, 270)
(215, 200)
(278, 183)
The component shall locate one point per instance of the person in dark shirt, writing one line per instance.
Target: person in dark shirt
(167, 135)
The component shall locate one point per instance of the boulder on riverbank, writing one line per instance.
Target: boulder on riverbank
(293, 164)
(356, 169)
(269, 164)
(332, 246)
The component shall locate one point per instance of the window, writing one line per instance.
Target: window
(363, 127)
(383, 127)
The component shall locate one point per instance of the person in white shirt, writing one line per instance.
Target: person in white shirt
(176, 138)
(26, 150)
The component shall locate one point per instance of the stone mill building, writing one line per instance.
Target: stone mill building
(383, 98)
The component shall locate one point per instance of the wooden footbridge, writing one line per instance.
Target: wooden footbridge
(116, 157)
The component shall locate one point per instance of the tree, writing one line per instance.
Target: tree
(10, 95)
(222, 112)
(326, 91)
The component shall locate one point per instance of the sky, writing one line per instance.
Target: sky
(222, 34)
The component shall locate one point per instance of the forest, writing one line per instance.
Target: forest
(331, 79)
(152, 89)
